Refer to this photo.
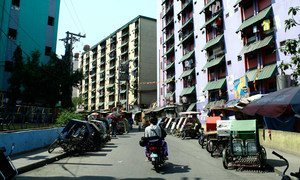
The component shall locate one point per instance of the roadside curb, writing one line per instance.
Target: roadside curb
(39, 164)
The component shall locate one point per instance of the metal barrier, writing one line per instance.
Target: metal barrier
(24, 115)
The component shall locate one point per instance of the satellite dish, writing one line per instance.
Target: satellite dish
(86, 48)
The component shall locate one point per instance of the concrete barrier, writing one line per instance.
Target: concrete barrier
(25, 141)
(284, 141)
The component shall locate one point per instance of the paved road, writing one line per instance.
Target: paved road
(123, 158)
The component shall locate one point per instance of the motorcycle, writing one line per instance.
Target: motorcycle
(283, 175)
(7, 169)
(156, 154)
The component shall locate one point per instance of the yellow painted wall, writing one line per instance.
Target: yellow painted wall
(281, 140)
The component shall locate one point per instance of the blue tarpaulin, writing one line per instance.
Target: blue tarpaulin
(280, 123)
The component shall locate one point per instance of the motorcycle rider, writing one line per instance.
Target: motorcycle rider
(155, 132)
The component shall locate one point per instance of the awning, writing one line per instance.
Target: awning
(186, 91)
(211, 20)
(187, 73)
(123, 101)
(238, 2)
(101, 79)
(251, 75)
(207, 5)
(267, 72)
(170, 37)
(110, 86)
(100, 88)
(112, 93)
(123, 91)
(213, 62)
(191, 107)
(186, 56)
(186, 37)
(215, 84)
(218, 104)
(254, 19)
(170, 79)
(111, 103)
(213, 41)
(170, 49)
(257, 45)
(169, 65)
(187, 22)
(170, 94)
(101, 104)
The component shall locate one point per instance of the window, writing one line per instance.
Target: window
(48, 50)
(12, 33)
(50, 21)
(15, 3)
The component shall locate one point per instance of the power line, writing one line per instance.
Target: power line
(71, 16)
(77, 17)
(33, 40)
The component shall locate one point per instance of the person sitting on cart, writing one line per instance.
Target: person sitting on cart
(155, 131)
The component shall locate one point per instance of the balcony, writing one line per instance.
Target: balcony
(212, 19)
(213, 42)
(168, 23)
(169, 10)
(213, 85)
(186, 56)
(186, 36)
(257, 45)
(187, 22)
(186, 5)
(255, 19)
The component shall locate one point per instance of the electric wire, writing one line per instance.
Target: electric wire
(82, 27)
(71, 15)
(27, 34)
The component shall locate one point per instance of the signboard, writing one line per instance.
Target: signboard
(223, 127)
(241, 87)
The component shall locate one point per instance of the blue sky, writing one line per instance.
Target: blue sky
(98, 18)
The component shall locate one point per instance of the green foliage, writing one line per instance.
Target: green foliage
(42, 84)
(65, 116)
(15, 81)
(291, 47)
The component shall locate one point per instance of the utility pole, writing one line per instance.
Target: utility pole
(68, 58)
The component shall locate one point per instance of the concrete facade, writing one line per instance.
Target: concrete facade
(220, 62)
(30, 24)
(121, 67)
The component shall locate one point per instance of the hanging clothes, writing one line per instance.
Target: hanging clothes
(266, 24)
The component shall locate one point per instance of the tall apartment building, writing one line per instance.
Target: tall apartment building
(121, 67)
(212, 51)
(32, 25)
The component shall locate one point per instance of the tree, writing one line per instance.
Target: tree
(292, 47)
(15, 81)
(32, 75)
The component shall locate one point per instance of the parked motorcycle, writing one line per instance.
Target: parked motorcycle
(156, 154)
(283, 175)
(7, 169)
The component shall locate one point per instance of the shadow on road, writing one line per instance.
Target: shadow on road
(276, 162)
(84, 178)
(85, 164)
(170, 168)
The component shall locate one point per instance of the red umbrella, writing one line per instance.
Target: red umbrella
(276, 103)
